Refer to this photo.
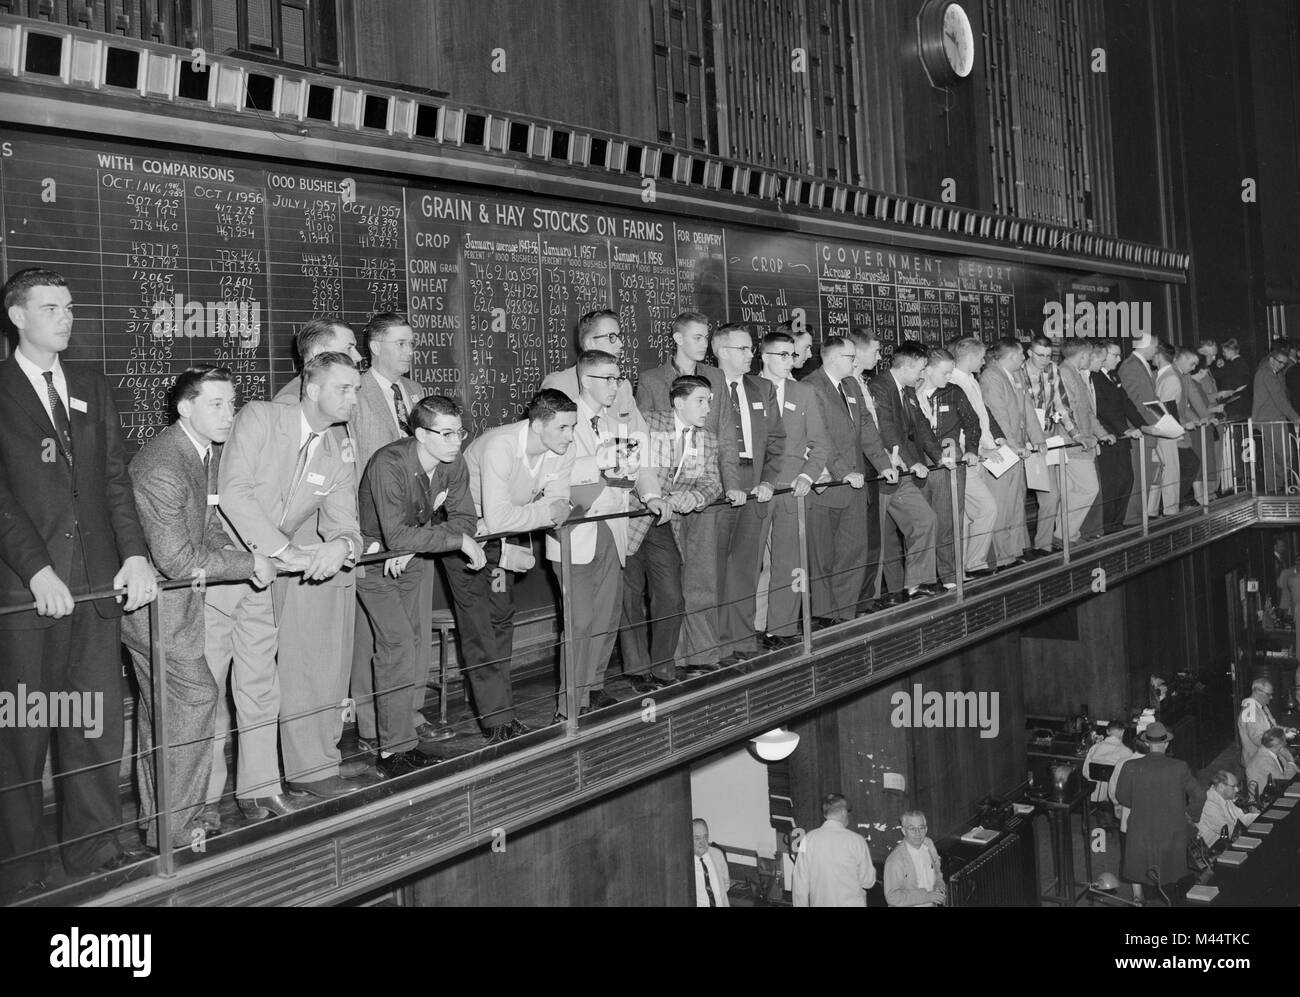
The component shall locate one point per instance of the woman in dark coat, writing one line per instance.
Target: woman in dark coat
(1163, 797)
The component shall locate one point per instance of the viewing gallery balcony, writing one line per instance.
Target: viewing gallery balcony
(347, 848)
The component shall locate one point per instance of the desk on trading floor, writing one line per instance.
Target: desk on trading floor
(1268, 877)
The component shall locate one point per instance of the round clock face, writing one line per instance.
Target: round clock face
(958, 40)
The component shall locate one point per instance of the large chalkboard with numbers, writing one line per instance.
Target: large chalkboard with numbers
(176, 258)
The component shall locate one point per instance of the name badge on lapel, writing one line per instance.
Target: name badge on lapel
(214, 500)
(315, 479)
(439, 500)
(756, 406)
(77, 404)
(850, 399)
(791, 406)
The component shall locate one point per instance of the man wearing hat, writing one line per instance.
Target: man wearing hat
(1162, 796)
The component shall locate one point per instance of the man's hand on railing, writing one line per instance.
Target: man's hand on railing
(394, 566)
(292, 559)
(763, 492)
(662, 510)
(137, 577)
(326, 560)
(855, 479)
(263, 571)
(890, 476)
(801, 486)
(684, 502)
(737, 497)
(473, 550)
(559, 509)
(52, 597)
(920, 471)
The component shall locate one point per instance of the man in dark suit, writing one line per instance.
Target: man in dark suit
(683, 457)
(1163, 797)
(894, 395)
(1120, 417)
(175, 481)
(68, 526)
(1139, 382)
(837, 520)
(759, 438)
(415, 498)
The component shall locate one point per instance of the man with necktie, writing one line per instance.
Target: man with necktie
(981, 513)
(282, 468)
(837, 517)
(68, 527)
(712, 880)
(683, 457)
(1139, 383)
(1008, 403)
(415, 499)
(174, 477)
(1255, 719)
(864, 368)
(1119, 417)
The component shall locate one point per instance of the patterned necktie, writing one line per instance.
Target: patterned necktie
(708, 884)
(595, 426)
(399, 406)
(207, 468)
(739, 417)
(60, 414)
(688, 434)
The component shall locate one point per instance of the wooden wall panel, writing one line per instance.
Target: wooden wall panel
(631, 849)
(818, 770)
(870, 745)
(1061, 674)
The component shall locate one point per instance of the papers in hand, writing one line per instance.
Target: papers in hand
(1001, 462)
(1166, 426)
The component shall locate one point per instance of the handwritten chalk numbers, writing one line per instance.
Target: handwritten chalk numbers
(798, 581)
(798, 60)
(1099, 580)
(49, 190)
(648, 190)
(348, 191)
(1098, 60)
(1248, 190)
(198, 60)
(498, 60)
(1098, 843)
(499, 840)
(648, 714)
(948, 190)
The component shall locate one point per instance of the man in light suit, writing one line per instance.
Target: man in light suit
(1009, 405)
(519, 478)
(68, 526)
(803, 459)
(893, 395)
(415, 497)
(606, 462)
(712, 878)
(699, 648)
(837, 520)
(1139, 383)
(759, 439)
(683, 456)
(913, 874)
(1255, 719)
(1273, 761)
(1082, 486)
(1275, 419)
(174, 477)
(282, 468)
(599, 331)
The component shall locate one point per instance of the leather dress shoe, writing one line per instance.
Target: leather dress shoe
(821, 622)
(264, 807)
(326, 789)
(868, 607)
(518, 728)
(775, 642)
(432, 733)
(403, 762)
(123, 859)
(354, 767)
(977, 573)
(599, 699)
(209, 818)
(922, 592)
(499, 734)
(734, 658)
(644, 683)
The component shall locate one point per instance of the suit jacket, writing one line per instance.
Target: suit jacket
(766, 434)
(507, 495)
(398, 511)
(1253, 722)
(1139, 383)
(652, 395)
(698, 477)
(902, 889)
(1271, 403)
(185, 537)
(1265, 764)
(850, 432)
(1085, 415)
(955, 419)
(1115, 409)
(256, 471)
(899, 420)
(46, 506)
(806, 447)
(623, 412)
(1162, 796)
(1009, 403)
(1230, 374)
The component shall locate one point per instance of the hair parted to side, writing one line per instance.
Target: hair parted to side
(189, 383)
(544, 406)
(429, 408)
(686, 385)
(315, 334)
(315, 369)
(588, 322)
(17, 286)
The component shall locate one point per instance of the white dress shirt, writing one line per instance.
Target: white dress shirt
(37, 376)
(779, 384)
(924, 867)
(701, 894)
(969, 384)
(747, 450)
(386, 386)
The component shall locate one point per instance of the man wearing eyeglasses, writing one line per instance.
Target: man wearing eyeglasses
(600, 331)
(415, 497)
(1221, 810)
(913, 877)
(699, 647)
(803, 459)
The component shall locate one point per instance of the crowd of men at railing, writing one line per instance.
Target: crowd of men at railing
(708, 512)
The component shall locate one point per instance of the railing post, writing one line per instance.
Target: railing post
(1205, 470)
(801, 510)
(1063, 505)
(1142, 476)
(161, 742)
(958, 535)
(1249, 451)
(571, 693)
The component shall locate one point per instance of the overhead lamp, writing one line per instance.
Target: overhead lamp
(776, 745)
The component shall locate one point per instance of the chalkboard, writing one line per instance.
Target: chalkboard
(178, 257)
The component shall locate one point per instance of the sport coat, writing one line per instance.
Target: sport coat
(1139, 383)
(902, 888)
(399, 512)
(46, 506)
(1264, 764)
(955, 419)
(806, 446)
(624, 412)
(1115, 409)
(185, 537)
(766, 432)
(1009, 404)
(256, 472)
(898, 419)
(697, 478)
(1271, 403)
(508, 496)
(850, 431)
(652, 395)
(1081, 407)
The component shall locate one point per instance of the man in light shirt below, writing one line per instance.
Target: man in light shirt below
(1221, 810)
(833, 868)
(712, 880)
(1110, 751)
(913, 877)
